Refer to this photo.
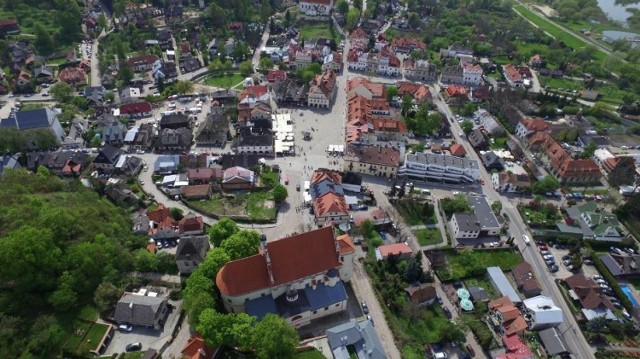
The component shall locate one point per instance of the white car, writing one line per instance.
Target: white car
(547, 256)
(596, 277)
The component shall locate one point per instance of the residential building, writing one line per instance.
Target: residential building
(190, 64)
(9, 27)
(502, 285)
(174, 121)
(529, 126)
(439, 167)
(165, 71)
(315, 7)
(515, 348)
(290, 92)
(506, 317)
(95, 95)
(399, 251)
(622, 265)
(9, 162)
(566, 169)
(542, 313)
(235, 178)
(249, 98)
(43, 74)
(452, 74)
(481, 223)
(214, 131)
(113, 133)
(359, 337)
(465, 226)
(457, 150)
(129, 95)
(406, 45)
(128, 165)
(489, 122)
(471, 74)
(203, 175)
(191, 251)
(420, 70)
(456, 50)
(141, 63)
(140, 137)
(196, 192)
(196, 348)
(456, 94)
(301, 59)
(588, 294)
(419, 92)
(594, 222)
(491, 161)
(477, 140)
(276, 75)
(510, 183)
(256, 144)
(141, 310)
(136, 110)
(610, 164)
(107, 158)
(174, 140)
(536, 61)
(553, 341)
(384, 63)
(73, 76)
(327, 195)
(166, 164)
(281, 279)
(378, 160)
(421, 295)
(190, 225)
(35, 119)
(65, 163)
(516, 76)
(332, 62)
(525, 280)
(322, 89)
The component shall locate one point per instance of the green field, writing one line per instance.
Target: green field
(560, 83)
(316, 30)
(557, 32)
(470, 264)
(86, 337)
(255, 205)
(309, 354)
(428, 236)
(224, 80)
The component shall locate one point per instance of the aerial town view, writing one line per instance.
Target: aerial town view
(309, 179)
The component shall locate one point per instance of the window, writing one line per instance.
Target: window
(315, 312)
(337, 305)
(326, 308)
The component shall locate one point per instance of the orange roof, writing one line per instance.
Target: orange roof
(456, 91)
(457, 150)
(376, 89)
(323, 173)
(252, 91)
(197, 349)
(330, 203)
(395, 249)
(512, 320)
(346, 245)
(290, 261)
(151, 247)
(512, 72)
(408, 43)
(535, 124)
(359, 34)
(389, 125)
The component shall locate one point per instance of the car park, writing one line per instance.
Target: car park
(617, 305)
(566, 257)
(543, 247)
(615, 250)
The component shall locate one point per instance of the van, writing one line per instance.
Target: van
(526, 239)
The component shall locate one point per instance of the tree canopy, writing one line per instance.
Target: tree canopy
(222, 230)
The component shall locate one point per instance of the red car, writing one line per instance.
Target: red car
(542, 247)
(482, 182)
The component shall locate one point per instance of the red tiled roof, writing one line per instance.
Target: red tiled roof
(376, 89)
(197, 349)
(321, 174)
(395, 249)
(253, 91)
(512, 72)
(456, 91)
(408, 43)
(457, 150)
(72, 75)
(346, 245)
(389, 125)
(146, 59)
(139, 107)
(535, 124)
(290, 262)
(274, 75)
(359, 34)
(330, 203)
(191, 222)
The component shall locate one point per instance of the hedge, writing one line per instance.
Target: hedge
(613, 282)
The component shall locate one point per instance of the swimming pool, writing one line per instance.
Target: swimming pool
(627, 291)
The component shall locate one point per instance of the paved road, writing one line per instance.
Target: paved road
(263, 42)
(575, 339)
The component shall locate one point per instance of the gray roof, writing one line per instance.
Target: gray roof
(192, 248)
(166, 161)
(442, 160)
(108, 155)
(361, 335)
(553, 341)
(483, 212)
(502, 284)
(491, 160)
(478, 294)
(257, 140)
(476, 138)
(9, 162)
(39, 118)
(467, 222)
(140, 310)
(611, 265)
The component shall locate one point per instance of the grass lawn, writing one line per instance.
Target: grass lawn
(224, 80)
(85, 337)
(411, 211)
(499, 143)
(316, 30)
(309, 354)
(461, 268)
(613, 94)
(269, 178)
(557, 32)
(540, 217)
(58, 61)
(134, 355)
(561, 83)
(481, 282)
(417, 333)
(428, 236)
(255, 205)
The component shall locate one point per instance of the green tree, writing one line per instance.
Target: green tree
(547, 184)
(222, 230)
(11, 140)
(265, 64)
(467, 126)
(233, 330)
(622, 174)
(407, 104)
(353, 16)
(588, 151)
(65, 297)
(246, 68)
(125, 74)
(176, 213)
(196, 304)
(496, 207)
(273, 337)
(183, 87)
(343, 7)
(145, 261)
(242, 244)
(106, 296)
(392, 92)
(44, 41)
(280, 193)
(455, 204)
(61, 92)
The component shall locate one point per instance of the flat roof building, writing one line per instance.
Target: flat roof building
(440, 167)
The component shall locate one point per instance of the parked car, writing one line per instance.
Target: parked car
(601, 281)
(543, 247)
(566, 257)
(544, 253)
(371, 319)
(133, 347)
(554, 268)
(550, 262)
(566, 262)
(125, 328)
(365, 308)
(629, 250)
(447, 312)
(597, 276)
(547, 256)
